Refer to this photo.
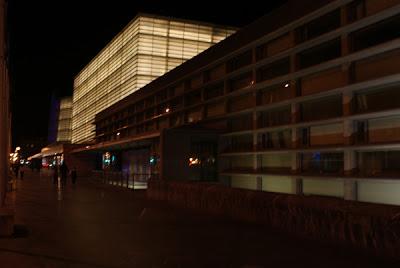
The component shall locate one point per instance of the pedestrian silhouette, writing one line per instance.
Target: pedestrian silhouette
(64, 173)
(16, 170)
(21, 173)
(73, 175)
(55, 175)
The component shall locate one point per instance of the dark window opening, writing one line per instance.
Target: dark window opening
(376, 34)
(320, 54)
(377, 100)
(241, 82)
(273, 70)
(214, 92)
(319, 26)
(321, 109)
(275, 117)
(193, 98)
(322, 163)
(240, 61)
(356, 11)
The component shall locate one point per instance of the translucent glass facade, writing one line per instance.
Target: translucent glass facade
(146, 49)
(65, 120)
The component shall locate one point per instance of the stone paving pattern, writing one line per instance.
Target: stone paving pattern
(96, 225)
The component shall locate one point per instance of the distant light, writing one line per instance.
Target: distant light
(87, 147)
(119, 133)
(287, 85)
(18, 148)
(193, 161)
(167, 110)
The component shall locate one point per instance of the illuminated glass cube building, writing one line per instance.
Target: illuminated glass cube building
(145, 49)
(64, 120)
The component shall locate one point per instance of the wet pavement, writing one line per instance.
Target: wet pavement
(95, 225)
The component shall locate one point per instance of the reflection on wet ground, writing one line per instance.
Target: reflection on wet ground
(94, 225)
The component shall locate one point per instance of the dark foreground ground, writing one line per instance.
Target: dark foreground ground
(94, 225)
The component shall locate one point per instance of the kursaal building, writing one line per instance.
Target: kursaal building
(64, 120)
(148, 47)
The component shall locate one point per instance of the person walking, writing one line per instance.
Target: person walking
(73, 175)
(55, 175)
(16, 170)
(21, 173)
(64, 173)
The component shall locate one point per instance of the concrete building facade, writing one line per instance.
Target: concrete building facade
(303, 101)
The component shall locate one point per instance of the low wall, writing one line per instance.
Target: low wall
(372, 227)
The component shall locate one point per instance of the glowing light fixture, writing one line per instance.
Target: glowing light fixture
(167, 110)
(193, 161)
(287, 85)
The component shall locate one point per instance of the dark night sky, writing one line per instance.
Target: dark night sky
(50, 41)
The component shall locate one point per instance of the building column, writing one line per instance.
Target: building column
(350, 185)
(297, 186)
(257, 167)
(350, 190)
(226, 91)
(349, 158)
(162, 154)
(295, 166)
(346, 102)
(257, 159)
(295, 138)
(348, 131)
(295, 107)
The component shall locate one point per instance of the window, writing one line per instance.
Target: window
(376, 34)
(305, 136)
(240, 61)
(241, 82)
(321, 109)
(320, 54)
(322, 163)
(377, 99)
(273, 70)
(319, 26)
(356, 11)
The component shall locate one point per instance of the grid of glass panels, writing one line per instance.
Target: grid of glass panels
(64, 120)
(146, 49)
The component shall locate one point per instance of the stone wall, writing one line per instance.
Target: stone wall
(371, 227)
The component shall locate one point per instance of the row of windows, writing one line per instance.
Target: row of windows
(364, 101)
(307, 58)
(315, 83)
(368, 164)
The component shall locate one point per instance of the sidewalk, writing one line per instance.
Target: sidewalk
(94, 225)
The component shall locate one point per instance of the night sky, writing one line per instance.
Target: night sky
(51, 41)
